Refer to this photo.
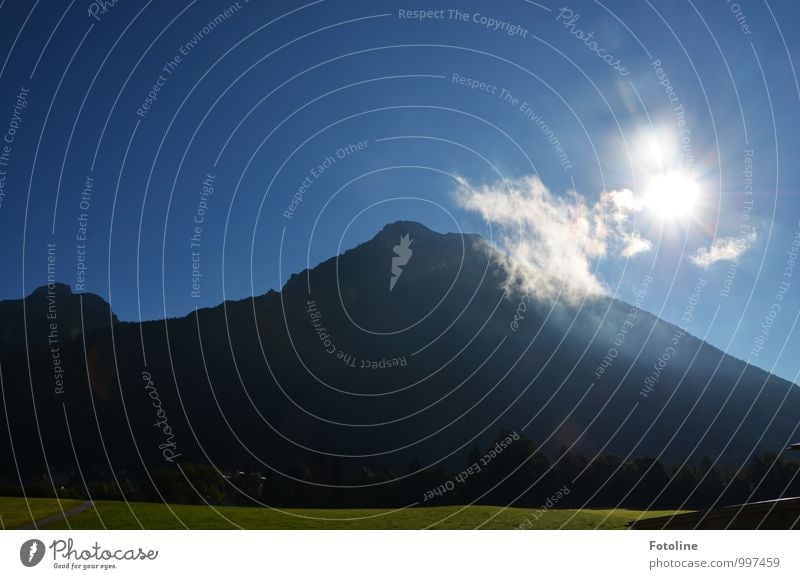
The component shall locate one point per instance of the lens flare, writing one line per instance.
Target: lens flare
(671, 196)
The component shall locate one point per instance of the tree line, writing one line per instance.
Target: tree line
(508, 472)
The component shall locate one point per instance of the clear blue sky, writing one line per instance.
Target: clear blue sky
(270, 90)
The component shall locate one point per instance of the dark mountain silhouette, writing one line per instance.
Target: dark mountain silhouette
(338, 363)
(46, 305)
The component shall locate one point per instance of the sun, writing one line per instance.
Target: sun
(670, 191)
(671, 195)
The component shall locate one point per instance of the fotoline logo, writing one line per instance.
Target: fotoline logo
(32, 552)
(402, 254)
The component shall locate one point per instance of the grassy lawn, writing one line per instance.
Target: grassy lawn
(119, 515)
(14, 511)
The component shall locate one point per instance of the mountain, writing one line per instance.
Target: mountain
(344, 361)
(54, 303)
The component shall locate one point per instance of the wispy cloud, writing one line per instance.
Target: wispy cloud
(634, 243)
(551, 241)
(723, 249)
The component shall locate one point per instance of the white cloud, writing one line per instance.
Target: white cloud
(635, 243)
(723, 249)
(551, 241)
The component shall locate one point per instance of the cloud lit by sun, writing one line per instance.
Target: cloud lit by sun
(554, 240)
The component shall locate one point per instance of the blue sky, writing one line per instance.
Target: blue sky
(260, 99)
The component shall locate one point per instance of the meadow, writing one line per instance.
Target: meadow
(15, 512)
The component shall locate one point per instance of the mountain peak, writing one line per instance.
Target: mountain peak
(58, 288)
(392, 232)
(412, 228)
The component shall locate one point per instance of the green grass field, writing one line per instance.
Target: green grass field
(15, 512)
(119, 515)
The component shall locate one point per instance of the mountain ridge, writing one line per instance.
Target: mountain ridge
(424, 367)
(392, 228)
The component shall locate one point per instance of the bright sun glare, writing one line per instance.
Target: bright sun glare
(671, 195)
